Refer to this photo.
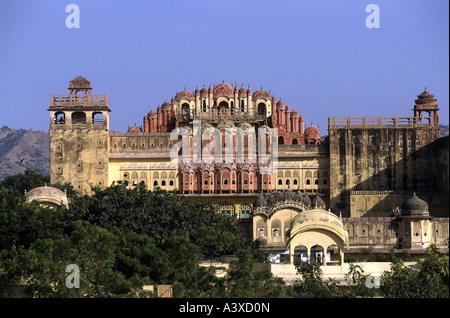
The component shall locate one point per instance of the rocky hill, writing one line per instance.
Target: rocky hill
(23, 148)
(444, 130)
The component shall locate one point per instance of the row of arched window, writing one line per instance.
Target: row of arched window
(261, 107)
(307, 181)
(162, 179)
(77, 118)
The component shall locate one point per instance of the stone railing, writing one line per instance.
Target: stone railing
(380, 122)
(78, 100)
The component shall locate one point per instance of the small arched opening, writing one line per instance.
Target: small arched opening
(78, 118)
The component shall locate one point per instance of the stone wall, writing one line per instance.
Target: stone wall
(385, 159)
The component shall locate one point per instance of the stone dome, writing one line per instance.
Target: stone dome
(184, 95)
(49, 196)
(414, 206)
(166, 106)
(261, 94)
(312, 132)
(134, 129)
(79, 82)
(281, 105)
(223, 89)
(203, 92)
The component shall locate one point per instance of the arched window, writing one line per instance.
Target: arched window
(163, 183)
(60, 118)
(280, 182)
(78, 118)
(308, 181)
(325, 181)
(225, 181)
(155, 183)
(287, 181)
(261, 109)
(294, 141)
(242, 105)
(97, 118)
(281, 140)
(295, 181)
(223, 108)
(204, 105)
(185, 109)
(316, 181)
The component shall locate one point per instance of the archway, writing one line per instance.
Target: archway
(78, 118)
(261, 109)
(334, 256)
(301, 253)
(317, 255)
(223, 108)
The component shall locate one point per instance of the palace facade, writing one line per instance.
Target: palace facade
(252, 155)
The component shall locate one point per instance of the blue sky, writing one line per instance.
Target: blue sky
(318, 56)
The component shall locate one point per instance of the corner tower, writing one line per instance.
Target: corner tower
(79, 137)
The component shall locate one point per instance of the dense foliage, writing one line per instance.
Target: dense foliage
(124, 238)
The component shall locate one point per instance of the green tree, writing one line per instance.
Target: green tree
(243, 281)
(26, 181)
(426, 279)
(108, 266)
(189, 278)
(311, 284)
(358, 278)
(435, 265)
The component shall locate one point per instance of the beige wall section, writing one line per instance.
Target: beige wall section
(148, 170)
(79, 156)
(275, 228)
(383, 203)
(385, 157)
(317, 228)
